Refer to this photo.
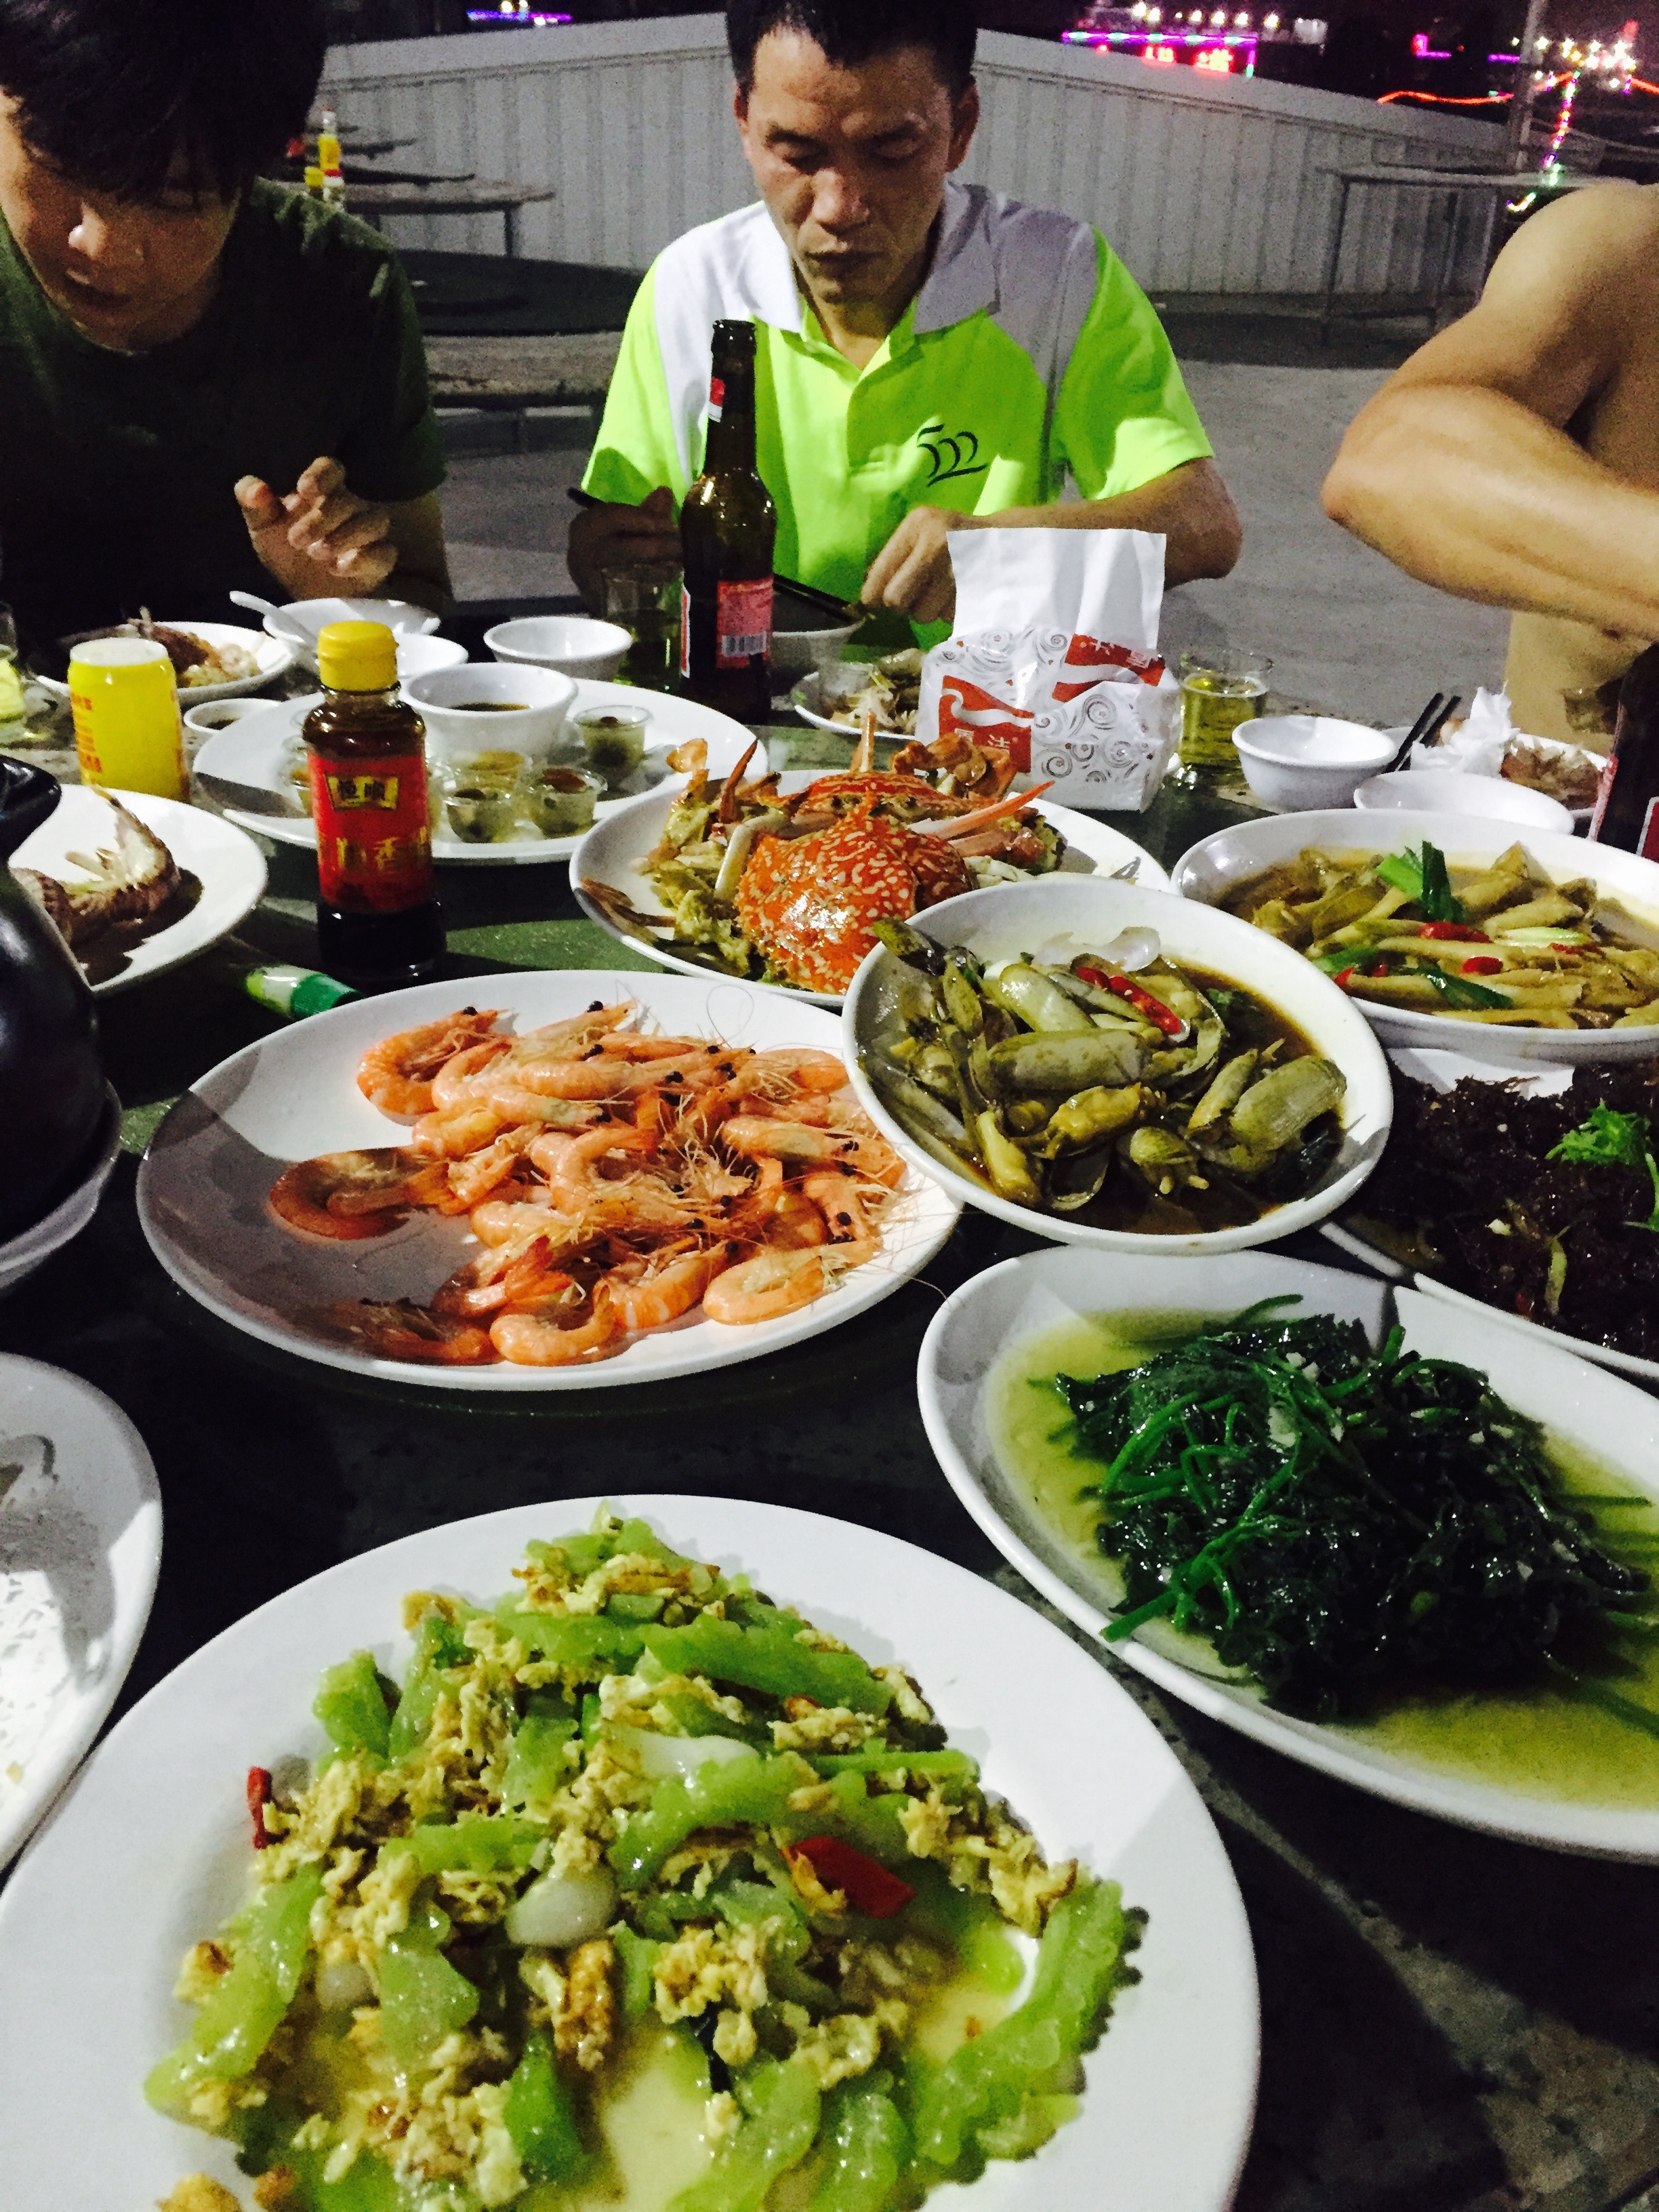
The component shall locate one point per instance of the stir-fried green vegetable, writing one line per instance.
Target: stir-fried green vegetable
(1340, 1524)
(637, 1821)
(1608, 1139)
(1119, 1087)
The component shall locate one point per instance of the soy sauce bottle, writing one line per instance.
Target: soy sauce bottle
(728, 529)
(1627, 803)
(379, 923)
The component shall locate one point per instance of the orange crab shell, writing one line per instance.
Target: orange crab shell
(811, 903)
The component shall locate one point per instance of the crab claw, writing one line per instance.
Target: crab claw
(961, 825)
(728, 805)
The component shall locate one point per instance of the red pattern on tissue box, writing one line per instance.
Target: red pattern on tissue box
(990, 723)
(1095, 654)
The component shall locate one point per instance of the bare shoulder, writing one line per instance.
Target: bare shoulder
(1586, 246)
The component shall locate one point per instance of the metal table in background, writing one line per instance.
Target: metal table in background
(1458, 185)
(373, 202)
(1451, 2023)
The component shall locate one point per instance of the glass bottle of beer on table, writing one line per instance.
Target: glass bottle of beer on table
(728, 529)
(378, 919)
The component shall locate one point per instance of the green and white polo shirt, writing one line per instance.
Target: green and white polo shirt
(1030, 355)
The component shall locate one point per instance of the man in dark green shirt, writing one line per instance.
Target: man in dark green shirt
(206, 381)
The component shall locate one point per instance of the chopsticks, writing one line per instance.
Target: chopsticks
(1440, 709)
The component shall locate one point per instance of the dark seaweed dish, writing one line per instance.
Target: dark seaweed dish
(1544, 1207)
(1343, 1526)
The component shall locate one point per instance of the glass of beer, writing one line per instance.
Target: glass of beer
(644, 597)
(1220, 690)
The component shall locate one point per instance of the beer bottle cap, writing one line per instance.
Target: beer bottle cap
(357, 656)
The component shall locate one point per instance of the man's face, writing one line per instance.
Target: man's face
(851, 162)
(125, 275)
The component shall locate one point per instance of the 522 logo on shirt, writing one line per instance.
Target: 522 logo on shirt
(953, 454)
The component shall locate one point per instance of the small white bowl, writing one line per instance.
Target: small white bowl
(1296, 761)
(536, 700)
(401, 616)
(418, 655)
(575, 644)
(34, 1246)
(797, 653)
(1437, 790)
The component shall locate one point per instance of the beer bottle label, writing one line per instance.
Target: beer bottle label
(743, 623)
(1647, 847)
(373, 841)
(716, 397)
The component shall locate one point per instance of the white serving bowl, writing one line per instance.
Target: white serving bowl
(797, 653)
(1010, 918)
(539, 699)
(32, 1246)
(1629, 889)
(577, 645)
(1443, 791)
(312, 617)
(1292, 761)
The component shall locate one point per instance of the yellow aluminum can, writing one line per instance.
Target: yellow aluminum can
(128, 733)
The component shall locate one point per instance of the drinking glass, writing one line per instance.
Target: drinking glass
(1220, 690)
(644, 597)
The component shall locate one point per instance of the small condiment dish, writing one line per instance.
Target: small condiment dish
(1444, 791)
(577, 644)
(1296, 761)
(486, 706)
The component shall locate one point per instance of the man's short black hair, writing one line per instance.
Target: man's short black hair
(852, 32)
(118, 93)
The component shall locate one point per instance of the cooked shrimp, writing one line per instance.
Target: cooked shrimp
(604, 1076)
(452, 1083)
(782, 1218)
(397, 1328)
(796, 1067)
(347, 1195)
(775, 1282)
(472, 1179)
(835, 1193)
(540, 1340)
(499, 1221)
(661, 1293)
(637, 1201)
(396, 1074)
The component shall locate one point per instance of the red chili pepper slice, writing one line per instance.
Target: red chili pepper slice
(1164, 1017)
(1344, 977)
(1381, 969)
(1098, 977)
(1459, 933)
(866, 1884)
(258, 1797)
(1480, 967)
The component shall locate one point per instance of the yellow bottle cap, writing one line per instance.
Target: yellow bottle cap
(357, 656)
(314, 178)
(118, 652)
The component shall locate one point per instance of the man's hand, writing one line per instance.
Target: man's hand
(608, 537)
(912, 572)
(320, 535)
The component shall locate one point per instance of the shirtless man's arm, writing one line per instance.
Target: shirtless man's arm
(1461, 470)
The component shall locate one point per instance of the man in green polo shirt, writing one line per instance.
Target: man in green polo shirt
(205, 380)
(932, 357)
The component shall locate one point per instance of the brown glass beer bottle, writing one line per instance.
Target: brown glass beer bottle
(728, 528)
(1627, 804)
(378, 919)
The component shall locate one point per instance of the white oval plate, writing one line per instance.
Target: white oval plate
(1012, 918)
(230, 866)
(274, 656)
(79, 1546)
(969, 1336)
(203, 1182)
(613, 848)
(249, 759)
(94, 1933)
(1630, 885)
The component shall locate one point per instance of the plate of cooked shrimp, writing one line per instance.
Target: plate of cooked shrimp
(591, 1180)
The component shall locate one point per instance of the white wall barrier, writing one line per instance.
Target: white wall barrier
(1203, 184)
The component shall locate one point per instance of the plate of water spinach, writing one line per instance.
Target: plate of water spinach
(737, 1860)
(1388, 1538)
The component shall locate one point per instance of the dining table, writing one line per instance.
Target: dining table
(1451, 2022)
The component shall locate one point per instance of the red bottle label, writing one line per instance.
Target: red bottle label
(716, 397)
(374, 843)
(743, 624)
(1648, 847)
